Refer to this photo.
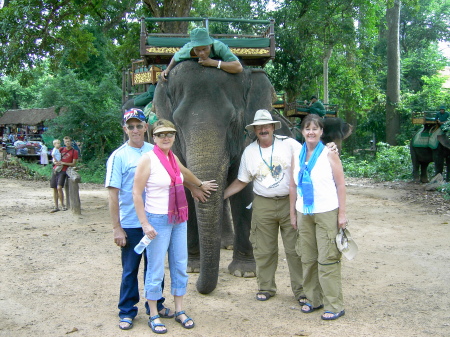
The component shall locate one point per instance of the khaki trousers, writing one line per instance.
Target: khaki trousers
(321, 259)
(268, 215)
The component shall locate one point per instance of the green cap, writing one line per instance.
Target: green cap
(442, 107)
(200, 37)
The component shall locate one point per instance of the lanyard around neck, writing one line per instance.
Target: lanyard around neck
(271, 155)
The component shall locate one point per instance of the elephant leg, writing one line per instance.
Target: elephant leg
(192, 237)
(415, 163)
(243, 264)
(438, 158)
(227, 227)
(424, 173)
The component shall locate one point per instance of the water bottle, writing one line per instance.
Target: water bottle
(142, 244)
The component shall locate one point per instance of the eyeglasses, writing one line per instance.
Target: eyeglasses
(139, 127)
(263, 126)
(164, 135)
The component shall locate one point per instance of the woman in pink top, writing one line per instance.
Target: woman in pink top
(163, 219)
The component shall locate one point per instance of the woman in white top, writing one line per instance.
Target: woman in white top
(317, 207)
(163, 219)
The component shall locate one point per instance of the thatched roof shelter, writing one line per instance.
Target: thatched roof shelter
(28, 116)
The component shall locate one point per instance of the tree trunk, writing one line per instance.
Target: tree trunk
(393, 73)
(326, 59)
(171, 8)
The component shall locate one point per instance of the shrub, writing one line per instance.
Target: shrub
(390, 163)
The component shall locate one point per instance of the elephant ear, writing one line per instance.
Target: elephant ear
(444, 140)
(260, 94)
(161, 101)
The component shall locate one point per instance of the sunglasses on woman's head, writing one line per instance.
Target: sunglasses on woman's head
(164, 135)
(131, 127)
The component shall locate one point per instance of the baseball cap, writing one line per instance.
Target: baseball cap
(134, 113)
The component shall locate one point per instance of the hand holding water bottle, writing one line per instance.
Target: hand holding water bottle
(145, 241)
(150, 234)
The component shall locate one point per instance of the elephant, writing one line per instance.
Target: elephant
(334, 130)
(422, 156)
(210, 109)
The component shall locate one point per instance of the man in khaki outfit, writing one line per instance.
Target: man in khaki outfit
(267, 162)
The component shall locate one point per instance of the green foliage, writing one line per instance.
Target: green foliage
(90, 113)
(430, 97)
(390, 163)
(93, 172)
(418, 65)
(445, 189)
(39, 171)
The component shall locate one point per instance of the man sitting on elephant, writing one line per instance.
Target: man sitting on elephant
(316, 107)
(442, 116)
(210, 53)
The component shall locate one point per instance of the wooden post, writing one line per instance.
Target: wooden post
(72, 191)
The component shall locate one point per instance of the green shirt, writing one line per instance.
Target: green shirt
(317, 108)
(442, 117)
(218, 50)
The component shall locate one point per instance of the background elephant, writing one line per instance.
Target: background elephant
(422, 156)
(334, 130)
(210, 109)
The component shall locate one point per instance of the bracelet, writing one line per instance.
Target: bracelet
(218, 66)
(201, 184)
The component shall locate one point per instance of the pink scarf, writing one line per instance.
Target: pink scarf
(178, 208)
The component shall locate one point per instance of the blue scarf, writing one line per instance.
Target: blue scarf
(305, 187)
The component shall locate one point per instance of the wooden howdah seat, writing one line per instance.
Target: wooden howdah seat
(300, 109)
(424, 117)
(157, 49)
(252, 49)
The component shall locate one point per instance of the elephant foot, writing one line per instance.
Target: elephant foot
(245, 269)
(193, 266)
(424, 180)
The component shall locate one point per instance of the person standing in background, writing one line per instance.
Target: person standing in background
(69, 157)
(44, 155)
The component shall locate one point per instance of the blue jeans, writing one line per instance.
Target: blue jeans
(172, 239)
(129, 288)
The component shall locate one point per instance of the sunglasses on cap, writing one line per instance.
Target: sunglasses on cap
(139, 127)
(164, 135)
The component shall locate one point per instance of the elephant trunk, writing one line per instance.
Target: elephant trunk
(209, 164)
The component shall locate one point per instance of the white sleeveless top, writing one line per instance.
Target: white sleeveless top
(157, 187)
(325, 192)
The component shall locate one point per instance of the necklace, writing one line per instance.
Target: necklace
(271, 155)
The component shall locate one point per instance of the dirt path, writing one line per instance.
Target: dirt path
(60, 273)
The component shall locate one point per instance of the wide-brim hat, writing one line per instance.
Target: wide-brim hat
(134, 113)
(263, 117)
(159, 129)
(346, 245)
(200, 37)
(442, 107)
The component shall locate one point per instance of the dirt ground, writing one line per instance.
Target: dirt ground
(60, 273)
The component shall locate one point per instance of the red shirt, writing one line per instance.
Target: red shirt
(67, 156)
